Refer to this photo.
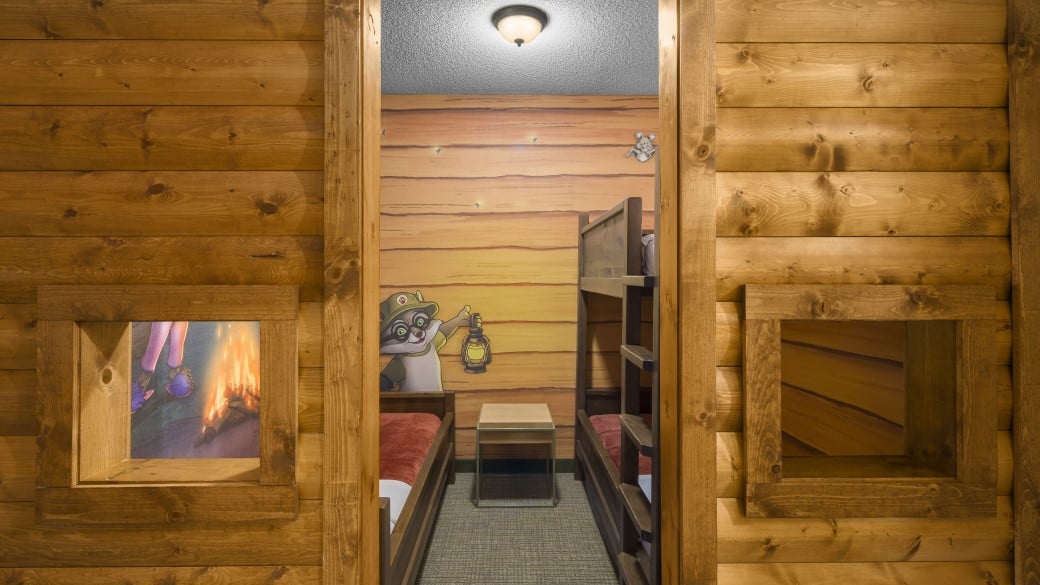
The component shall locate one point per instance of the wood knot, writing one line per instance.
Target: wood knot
(70, 213)
(775, 469)
(156, 189)
(267, 208)
(868, 83)
(106, 376)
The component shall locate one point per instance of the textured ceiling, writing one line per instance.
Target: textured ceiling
(589, 47)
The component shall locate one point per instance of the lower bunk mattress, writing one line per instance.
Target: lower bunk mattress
(404, 439)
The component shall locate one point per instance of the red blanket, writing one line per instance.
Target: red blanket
(608, 428)
(404, 439)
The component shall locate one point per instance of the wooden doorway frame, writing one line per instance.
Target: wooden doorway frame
(351, 277)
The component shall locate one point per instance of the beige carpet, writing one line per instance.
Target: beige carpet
(516, 546)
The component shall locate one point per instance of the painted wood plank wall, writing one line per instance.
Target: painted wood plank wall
(880, 154)
(480, 199)
(158, 141)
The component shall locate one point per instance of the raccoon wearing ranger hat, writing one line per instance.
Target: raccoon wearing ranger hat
(408, 331)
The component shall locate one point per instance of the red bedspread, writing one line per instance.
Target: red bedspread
(609, 430)
(404, 439)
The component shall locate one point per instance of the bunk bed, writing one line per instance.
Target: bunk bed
(616, 428)
(416, 462)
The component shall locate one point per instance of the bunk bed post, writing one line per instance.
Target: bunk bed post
(581, 380)
(631, 299)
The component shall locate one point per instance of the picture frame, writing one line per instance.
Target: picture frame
(84, 472)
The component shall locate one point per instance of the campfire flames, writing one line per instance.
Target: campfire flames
(235, 394)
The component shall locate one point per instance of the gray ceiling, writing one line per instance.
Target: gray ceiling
(589, 47)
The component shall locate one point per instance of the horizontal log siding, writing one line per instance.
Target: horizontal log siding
(859, 143)
(160, 142)
(480, 199)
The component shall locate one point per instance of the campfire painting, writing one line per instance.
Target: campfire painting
(202, 397)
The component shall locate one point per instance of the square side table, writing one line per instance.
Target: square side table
(515, 424)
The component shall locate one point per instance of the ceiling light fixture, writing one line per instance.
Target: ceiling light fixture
(519, 24)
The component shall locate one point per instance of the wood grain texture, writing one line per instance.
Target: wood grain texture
(28, 262)
(905, 261)
(730, 397)
(420, 267)
(729, 334)
(729, 464)
(350, 463)
(863, 204)
(290, 543)
(155, 203)
(17, 337)
(163, 19)
(55, 138)
(699, 144)
(869, 302)
(58, 378)
(165, 505)
(600, 124)
(870, 385)
(510, 194)
(173, 302)
(278, 412)
(17, 469)
(862, 139)
(832, 428)
(861, 75)
(499, 161)
(160, 72)
(762, 411)
(850, 540)
(1024, 113)
(503, 303)
(909, 573)
(956, 21)
(210, 575)
(18, 402)
(878, 339)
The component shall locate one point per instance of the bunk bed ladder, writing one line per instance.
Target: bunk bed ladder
(636, 560)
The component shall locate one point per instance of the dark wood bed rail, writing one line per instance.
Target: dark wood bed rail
(401, 552)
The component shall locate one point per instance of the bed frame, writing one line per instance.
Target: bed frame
(401, 553)
(609, 263)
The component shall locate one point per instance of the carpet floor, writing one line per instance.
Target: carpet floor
(518, 546)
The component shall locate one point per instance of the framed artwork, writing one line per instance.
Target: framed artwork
(167, 403)
(195, 389)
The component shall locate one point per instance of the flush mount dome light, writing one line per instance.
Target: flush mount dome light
(519, 24)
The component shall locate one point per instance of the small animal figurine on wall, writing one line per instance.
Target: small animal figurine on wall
(409, 332)
(644, 147)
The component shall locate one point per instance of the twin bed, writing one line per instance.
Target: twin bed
(616, 428)
(416, 462)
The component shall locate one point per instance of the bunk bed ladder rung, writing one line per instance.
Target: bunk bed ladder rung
(638, 280)
(641, 356)
(638, 432)
(631, 571)
(638, 509)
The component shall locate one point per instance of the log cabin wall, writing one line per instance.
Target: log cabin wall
(158, 142)
(480, 198)
(859, 144)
